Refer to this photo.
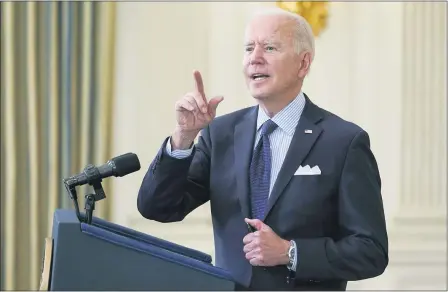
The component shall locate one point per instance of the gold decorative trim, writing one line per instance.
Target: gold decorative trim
(316, 13)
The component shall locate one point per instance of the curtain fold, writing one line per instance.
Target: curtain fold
(56, 101)
(33, 136)
(8, 177)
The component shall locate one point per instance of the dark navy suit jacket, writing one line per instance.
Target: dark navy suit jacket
(336, 218)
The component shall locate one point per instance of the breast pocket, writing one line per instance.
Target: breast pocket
(311, 192)
(313, 181)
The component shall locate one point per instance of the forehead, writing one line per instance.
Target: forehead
(268, 28)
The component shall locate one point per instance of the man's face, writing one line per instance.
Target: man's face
(272, 68)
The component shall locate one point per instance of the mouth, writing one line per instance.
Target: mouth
(259, 76)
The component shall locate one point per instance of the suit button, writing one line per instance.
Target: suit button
(265, 269)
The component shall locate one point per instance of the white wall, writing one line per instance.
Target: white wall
(156, 55)
(357, 74)
(158, 47)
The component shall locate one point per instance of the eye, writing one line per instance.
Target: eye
(249, 49)
(270, 48)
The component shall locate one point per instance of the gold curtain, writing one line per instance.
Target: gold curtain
(57, 61)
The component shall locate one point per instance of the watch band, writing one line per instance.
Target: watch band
(292, 257)
(291, 254)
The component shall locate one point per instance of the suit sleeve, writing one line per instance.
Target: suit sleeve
(361, 250)
(173, 187)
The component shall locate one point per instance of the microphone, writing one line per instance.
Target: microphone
(118, 166)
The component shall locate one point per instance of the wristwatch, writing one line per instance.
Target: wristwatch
(291, 254)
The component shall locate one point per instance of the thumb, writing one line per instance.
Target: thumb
(214, 102)
(256, 223)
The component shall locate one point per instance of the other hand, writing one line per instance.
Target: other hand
(264, 247)
(194, 112)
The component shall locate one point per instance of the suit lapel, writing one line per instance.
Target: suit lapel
(244, 137)
(301, 144)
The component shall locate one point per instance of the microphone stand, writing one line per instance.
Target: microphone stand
(91, 199)
(94, 179)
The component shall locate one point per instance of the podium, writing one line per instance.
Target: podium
(107, 256)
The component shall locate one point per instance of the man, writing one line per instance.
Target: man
(304, 180)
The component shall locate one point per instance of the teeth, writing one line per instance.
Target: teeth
(259, 76)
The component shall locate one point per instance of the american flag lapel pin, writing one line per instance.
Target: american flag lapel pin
(308, 131)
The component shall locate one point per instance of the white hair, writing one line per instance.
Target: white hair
(303, 37)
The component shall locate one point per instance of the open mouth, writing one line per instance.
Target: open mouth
(259, 76)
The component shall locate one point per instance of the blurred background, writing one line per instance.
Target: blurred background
(82, 82)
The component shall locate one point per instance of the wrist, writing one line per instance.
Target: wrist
(285, 252)
(182, 140)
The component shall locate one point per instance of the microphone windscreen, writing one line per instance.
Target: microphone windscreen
(126, 164)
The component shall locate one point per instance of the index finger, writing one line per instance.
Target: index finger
(248, 238)
(199, 85)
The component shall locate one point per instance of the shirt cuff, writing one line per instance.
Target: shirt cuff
(178, 153)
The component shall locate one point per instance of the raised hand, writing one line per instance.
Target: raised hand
(193, 113)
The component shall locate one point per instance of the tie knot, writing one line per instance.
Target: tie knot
(268, 127)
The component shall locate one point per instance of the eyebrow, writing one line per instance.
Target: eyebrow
(251, 43)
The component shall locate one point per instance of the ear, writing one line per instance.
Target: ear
(305, 63)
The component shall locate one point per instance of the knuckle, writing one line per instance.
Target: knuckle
(179, 105)
(199, 102)
(199, 98)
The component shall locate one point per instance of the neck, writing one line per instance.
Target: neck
(274, 105)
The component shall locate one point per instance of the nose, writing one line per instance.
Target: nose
(256, 57)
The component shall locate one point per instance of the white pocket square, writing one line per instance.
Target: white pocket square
(307, 170)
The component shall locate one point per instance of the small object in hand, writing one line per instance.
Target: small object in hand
(250, 228)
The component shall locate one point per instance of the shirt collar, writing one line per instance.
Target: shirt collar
(288, 118)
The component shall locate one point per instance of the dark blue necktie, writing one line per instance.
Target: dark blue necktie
(260, 171)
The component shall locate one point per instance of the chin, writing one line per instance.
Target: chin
(259, 97)
(259, 94)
